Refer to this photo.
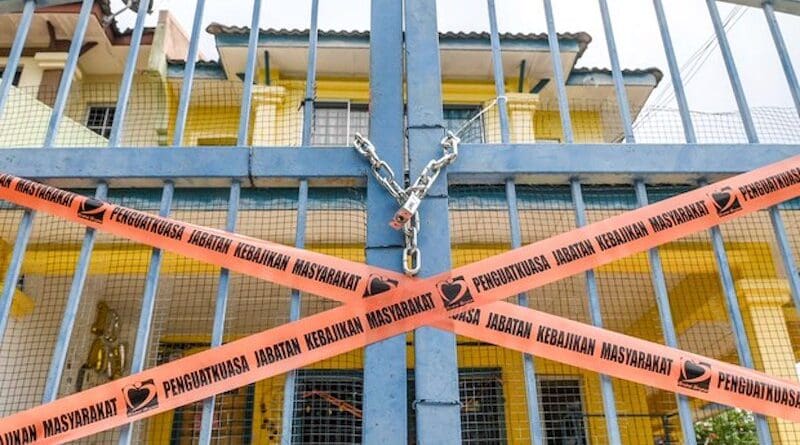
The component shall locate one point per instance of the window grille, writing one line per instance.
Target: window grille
(328, 407)
(482, 406)
(100, 119)
(335, 123)
(456, 116)
(561, 401)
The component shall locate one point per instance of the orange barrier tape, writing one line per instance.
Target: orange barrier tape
(295, 268)
(414, 303)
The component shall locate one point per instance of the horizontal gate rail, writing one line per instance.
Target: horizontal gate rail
(682, 162)
(503, 163)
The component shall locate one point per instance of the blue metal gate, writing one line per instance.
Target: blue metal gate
(510, 189)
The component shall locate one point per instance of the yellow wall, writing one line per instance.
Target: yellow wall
(222, 121)
(206, 121)
(683, 257)
(214, 111)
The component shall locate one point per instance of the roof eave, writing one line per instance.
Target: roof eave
(649, 77)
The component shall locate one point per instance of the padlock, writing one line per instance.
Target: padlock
(405, 212)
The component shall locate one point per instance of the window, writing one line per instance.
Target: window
(457, 116)
(327, 408)
(233, 411)
(482, 406)
(17, 76)
(335, 123)
(329, 403)
(100, 119)
(562, 411)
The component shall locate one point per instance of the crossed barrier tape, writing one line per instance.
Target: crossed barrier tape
(463, 300)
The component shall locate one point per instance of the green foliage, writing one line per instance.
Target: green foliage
(731, 427)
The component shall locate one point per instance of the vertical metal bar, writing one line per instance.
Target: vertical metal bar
(667, 323)
(188, 75)
(69, 72)
(302, 210)
(558, 74)
(733, 74)
(436, 367)
(777, 222)
(294, 314)
(737, 321)
(308, 102)
(221, 307)
(786, 255)
(734, 311)
(127, 77)
(616, 71)
(220, 310)
(385, 374)
(529, 370)
(79, 279)
(250, 72)
(657, 274)
(16, 52)
(783, 53)
(26, 222)
(499, 77)
(148, 305)
(154, 268)
(14, 267)
(528, 367)
(675, 73)
(606, 389)
(71, 310)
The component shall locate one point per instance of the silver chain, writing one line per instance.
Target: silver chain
(412, 257)
(435, 166)
(380, 169)
(409, 198)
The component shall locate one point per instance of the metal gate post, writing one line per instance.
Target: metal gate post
(385, 377)
(436, 369)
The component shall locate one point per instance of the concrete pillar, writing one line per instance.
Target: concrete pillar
(521, 109)
(763, 301)
(267, 101)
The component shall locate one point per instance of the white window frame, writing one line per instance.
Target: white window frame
(348, 107)
(108, 107)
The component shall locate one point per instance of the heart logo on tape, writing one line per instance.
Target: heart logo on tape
(696, 376)
(454, 292)
(140, 397)
(726, 202)
(92, 210)
(378, 285)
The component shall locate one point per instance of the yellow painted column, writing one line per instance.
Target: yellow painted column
(266, 100)
(763, 301)
(521, 109)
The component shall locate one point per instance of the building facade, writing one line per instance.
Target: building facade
(325, 402)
